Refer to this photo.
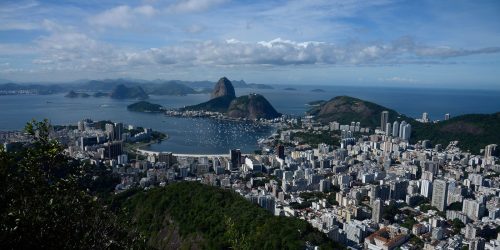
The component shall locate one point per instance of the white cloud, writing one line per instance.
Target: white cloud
(77, 51)
(194, 5)
(121, 16)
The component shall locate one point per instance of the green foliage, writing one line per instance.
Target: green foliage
(426, 207)
(315, 138)
(409, 222)
(144, 106)
(457, 206)
(346, 109)
(331, 199)
(219, 104)
(417, 242)
(473, 131)
(312, 196)
(390, 211)
(222, 218)
(457, 225)
(43, 204)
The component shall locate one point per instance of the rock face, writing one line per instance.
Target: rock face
(223, 87)
(253, 106)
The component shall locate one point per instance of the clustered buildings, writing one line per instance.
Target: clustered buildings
(374, 191)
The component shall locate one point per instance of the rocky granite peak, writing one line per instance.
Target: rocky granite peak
(223, 87)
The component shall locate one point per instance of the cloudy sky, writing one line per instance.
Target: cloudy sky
(339, 42)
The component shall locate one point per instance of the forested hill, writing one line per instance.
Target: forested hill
(473, 131)
(193, 215)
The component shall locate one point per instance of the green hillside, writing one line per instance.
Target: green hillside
(346, 109)
(218, 104)
(252, 106)
(144, 106)
(193, 215)
(473, 131)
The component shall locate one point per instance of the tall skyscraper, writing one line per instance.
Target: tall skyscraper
(377, 211)
(384, 118)
(425, 117)
(474, 209)
(110, 131)
(402, 128)
(118, 131)
(280, 151)
(490, 150)
(406, 132)
(426, 188)
(446, 116)
(439, 194)
(395, 129)
(235, 158)
(388, 128)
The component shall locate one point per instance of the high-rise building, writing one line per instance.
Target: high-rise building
(377, 211)
(166, 157)
(406, 132)
(280, 151)
(110, 131)
(384, 119)
(402, 128)
(388, 128)
(235, 158)
(426, 188)
(425, 117)
(490, 150)
(446, 117)
(113, 149)
(398, 189)
(474, 209)
(439, 194)
(118, 131)
(395, 129)
(81, 126)
(477, 244)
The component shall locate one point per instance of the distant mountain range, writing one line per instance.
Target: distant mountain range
(155, 87)
(473, 131)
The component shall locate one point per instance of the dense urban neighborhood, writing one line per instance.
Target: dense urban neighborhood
(363, 187)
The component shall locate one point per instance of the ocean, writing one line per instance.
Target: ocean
(198, 135)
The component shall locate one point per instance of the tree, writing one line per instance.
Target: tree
(457, 225)
(43, 205)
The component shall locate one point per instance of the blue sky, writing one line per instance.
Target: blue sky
(375, 42)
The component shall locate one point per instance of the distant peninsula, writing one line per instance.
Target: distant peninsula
(290, 89)
(224, 100)
(144, 106)
(73, 94)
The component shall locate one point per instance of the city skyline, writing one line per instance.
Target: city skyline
(375, 43)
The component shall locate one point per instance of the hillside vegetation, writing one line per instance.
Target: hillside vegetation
(193, 215)
(473, 131)
(144, 106)
(346, 109)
